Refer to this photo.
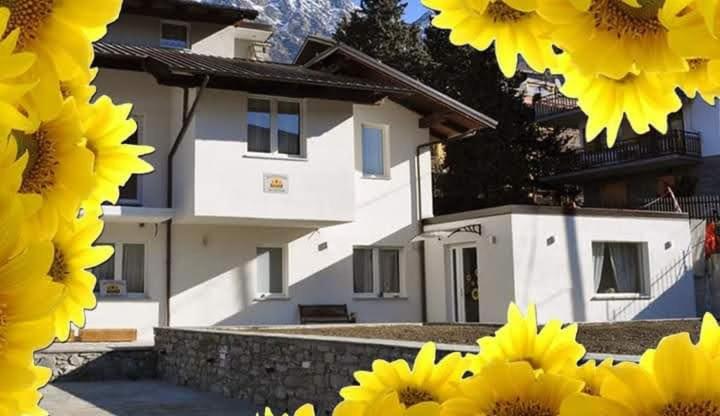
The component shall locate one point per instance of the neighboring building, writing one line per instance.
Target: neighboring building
(290, 184)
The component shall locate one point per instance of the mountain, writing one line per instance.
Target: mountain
(294, 20)
(424, 21)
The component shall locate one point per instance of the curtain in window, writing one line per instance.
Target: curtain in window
(363, 270)
(390, 271)
(598, 263)
(105, 271)
(134, 267)
(624, 260)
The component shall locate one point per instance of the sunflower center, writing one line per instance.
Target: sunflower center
(3, 325)
(410, 396)
(39, 175)
(695, 64)
(29, 16)
(58, 270)
(701, 408)
(519, 408)
(623, 20)
(502, 13)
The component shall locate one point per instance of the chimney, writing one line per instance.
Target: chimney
(252, 40)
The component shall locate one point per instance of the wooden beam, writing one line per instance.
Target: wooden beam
(433, 119)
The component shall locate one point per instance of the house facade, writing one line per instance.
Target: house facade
(275, 184)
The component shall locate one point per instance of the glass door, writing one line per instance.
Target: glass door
(465, 280)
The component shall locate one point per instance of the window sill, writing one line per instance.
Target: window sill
(620, 296)
(271, 156)
(381, 298)
(377, 178)
(130, 297)
(270, 298)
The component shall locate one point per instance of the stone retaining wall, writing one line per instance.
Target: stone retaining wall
(82, 362)
(284, 371)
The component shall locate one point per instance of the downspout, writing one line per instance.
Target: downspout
(188, 116)
(423, 272)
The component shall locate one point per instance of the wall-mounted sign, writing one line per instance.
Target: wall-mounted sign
(113, 288)
(275, 184)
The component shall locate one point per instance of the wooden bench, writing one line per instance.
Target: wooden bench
(325, 314)
(106, 335)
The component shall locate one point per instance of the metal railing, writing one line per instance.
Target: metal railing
(552, 104)
(698, 206)
(648, 146)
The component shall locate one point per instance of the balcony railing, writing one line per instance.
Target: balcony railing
(698, 206)
(555, 103)
(648, 146)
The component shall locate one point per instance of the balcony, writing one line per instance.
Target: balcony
(646, 152)
(558, 109)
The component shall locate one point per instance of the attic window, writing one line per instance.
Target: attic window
(175, 35)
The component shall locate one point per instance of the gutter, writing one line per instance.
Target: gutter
(188, 116)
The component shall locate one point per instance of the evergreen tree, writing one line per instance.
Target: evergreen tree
(495, 167)
(378, 29)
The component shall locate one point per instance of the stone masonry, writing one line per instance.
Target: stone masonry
(98, 363)
(284, 371)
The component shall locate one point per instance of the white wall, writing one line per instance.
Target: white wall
(209, 38)
(143, 312)
(229, 182)
(549, 262)
(559, 276)
(213, 272)
(154, 104)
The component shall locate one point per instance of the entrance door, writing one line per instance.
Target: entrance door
(464, 273)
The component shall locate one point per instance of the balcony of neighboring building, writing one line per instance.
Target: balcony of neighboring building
(558, 109)
(637, 154)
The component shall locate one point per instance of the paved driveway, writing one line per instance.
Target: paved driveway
(137, 398)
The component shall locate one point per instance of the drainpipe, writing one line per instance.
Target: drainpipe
(188, 116)
(423, 273)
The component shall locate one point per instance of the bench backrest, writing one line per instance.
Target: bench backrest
(324, 313)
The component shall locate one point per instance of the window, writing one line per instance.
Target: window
(130, 193)
(131, 267)
(274, 126)
(373, 151)
(174, 35)
(270, 272)
(377, 271)
(619, 268)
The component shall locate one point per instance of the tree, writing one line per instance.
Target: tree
(378, 29)
(495, 167)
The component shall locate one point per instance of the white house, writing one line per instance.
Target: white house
(278, 185)
(275, 184)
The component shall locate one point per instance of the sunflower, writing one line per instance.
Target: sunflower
(11, 171)
(426, 382)
(388, 404)
(108, 127)
(60, 32)
(677, 379)
(612, 37)
(646, 99)
(710, 336)
(80, 87)
(306, 410)
(513, 25)
(60, 169)
(26, 401)
(553, 350)
(512, 389)
(698, 81)
(14, 65)
(26, 299)
(592, 374)
(74, 254)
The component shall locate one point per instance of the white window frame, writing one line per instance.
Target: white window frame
(377, 292)
(118, 246)
(274, 142)
(385, 147)
(188, 43)
(645, 283)
(140, 120)
(259, 297)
